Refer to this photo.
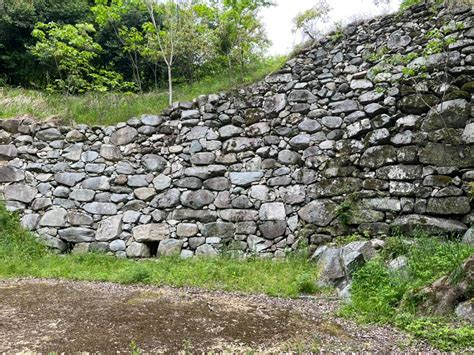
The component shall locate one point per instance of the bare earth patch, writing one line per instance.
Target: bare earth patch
(67, 316)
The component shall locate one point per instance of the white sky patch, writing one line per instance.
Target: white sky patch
(278, 19)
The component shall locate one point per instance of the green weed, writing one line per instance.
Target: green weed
(380, 295)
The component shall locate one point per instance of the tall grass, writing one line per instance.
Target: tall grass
(22, 256)
(110, 108)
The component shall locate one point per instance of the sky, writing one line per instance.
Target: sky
(279, 25)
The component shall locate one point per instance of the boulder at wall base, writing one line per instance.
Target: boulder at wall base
(169, 247)
(272, 229)
(138, 250)
(337, 265)
(222, 230)
(109, 229)
(410, 223)
(465, 310)
(468, 237)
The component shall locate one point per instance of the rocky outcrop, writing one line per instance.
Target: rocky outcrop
(333, 143)
(450, 292)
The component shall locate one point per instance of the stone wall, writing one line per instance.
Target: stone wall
(330, 145)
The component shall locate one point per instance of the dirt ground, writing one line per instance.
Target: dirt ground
(65, 316)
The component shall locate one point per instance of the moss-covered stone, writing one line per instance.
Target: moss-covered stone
(334, 187)
(449, 114)
(468, 87)
(444, 155)
(449, 205)
(417, 104)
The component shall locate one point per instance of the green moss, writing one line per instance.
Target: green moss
(468, 87)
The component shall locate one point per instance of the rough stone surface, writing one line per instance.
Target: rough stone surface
(109, 229)
(152, 232)
(169, 247)
(22, 193)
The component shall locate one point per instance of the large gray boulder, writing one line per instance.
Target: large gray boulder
(223, 230)
(123, 136)
(152, 232)
(9, 174)
(109, 229)
(69, 179)
(337, 265)
(169, 247)
(22, 193)
(138, 250)
(153, 162)
(274, 104)
(197, 199)
(8, 152)
(55, 217)
(77, 234)
(102, 208)
(272, 229)
(319, 212)
(409, 223)
(245, 178)
(448, 114)
(468, 237)
(274, 211)
(110, 152)
(49, 134)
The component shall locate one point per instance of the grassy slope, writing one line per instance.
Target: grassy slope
(380, 295)
(111, 108)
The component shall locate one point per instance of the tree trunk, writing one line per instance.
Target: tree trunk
(170, 85)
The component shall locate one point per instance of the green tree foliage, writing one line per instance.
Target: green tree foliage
(198, 38)
(180, 33)
(242, 33)
(68, 51)
(308, 22)
(17, 20)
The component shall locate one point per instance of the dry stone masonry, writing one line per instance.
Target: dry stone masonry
(331, 144)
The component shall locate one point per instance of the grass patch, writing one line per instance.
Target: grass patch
(22, 256)
(380, 295)
(110, 108)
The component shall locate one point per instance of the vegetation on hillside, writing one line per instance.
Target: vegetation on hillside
(387, 296)
(97, 108)
(76, 46)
